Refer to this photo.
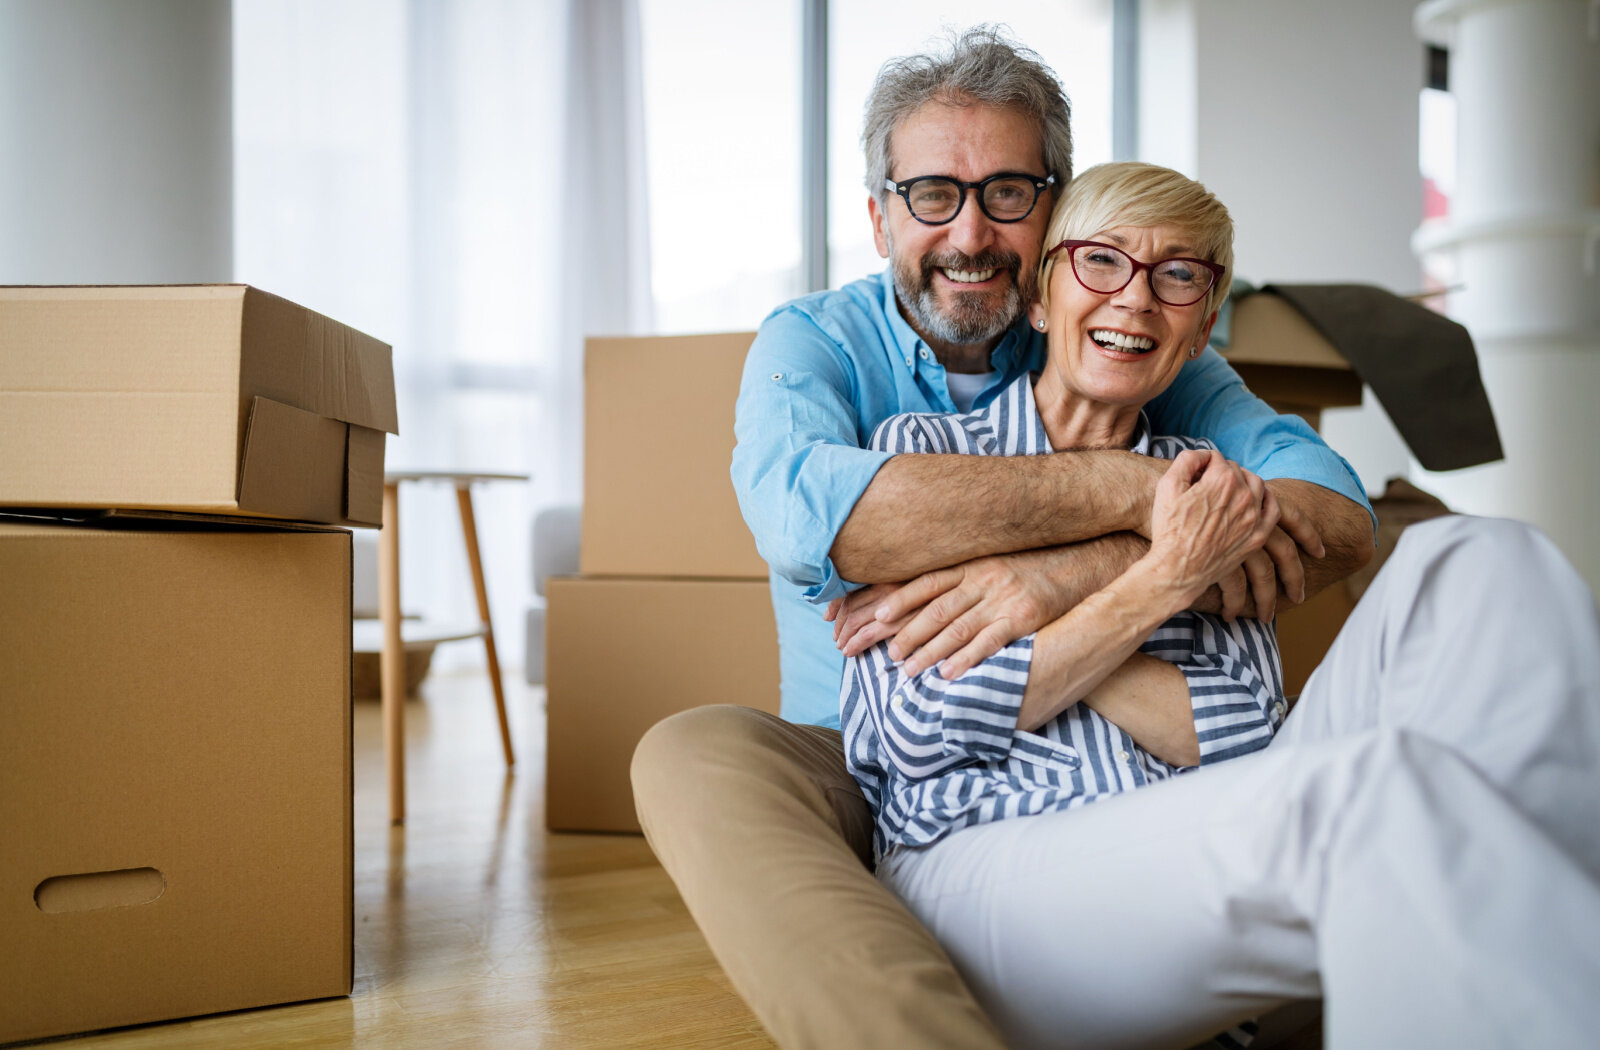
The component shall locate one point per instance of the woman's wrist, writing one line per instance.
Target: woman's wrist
(1162, 585)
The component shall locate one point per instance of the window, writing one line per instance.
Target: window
(1074, 39)
(722, 143)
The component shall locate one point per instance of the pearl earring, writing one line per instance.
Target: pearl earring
(1041, 326)
(1194, 351)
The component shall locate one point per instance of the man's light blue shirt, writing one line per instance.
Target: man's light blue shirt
(827, 368)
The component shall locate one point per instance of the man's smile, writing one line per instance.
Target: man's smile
(968, 276)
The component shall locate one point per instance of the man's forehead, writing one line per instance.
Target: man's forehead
(977, 138)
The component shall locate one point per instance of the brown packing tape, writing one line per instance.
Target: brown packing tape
(363, 486)
(294, 464)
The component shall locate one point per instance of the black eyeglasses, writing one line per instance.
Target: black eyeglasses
(937, 199)
(1105, 269)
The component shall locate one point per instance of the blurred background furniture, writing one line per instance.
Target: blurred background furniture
(393, 654)
(555, 553)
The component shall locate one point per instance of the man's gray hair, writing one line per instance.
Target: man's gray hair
(980, 65)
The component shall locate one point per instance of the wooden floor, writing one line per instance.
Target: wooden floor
(475, 927)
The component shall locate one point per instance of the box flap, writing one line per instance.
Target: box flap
(298, 357)
(1420, 364)
(363, 489)
(1284, 360)
(294, 463)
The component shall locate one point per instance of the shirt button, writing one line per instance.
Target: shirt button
(1278, 709)
(908, 359)
(1124, 756)
(923, 353)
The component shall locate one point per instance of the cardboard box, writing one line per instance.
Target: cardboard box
(658, 441)
(217, 399)
(621, 655)
(175, 792)
(1285, 361)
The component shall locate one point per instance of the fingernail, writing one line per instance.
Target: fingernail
(910, 669)
(881, 613)
(894, 651)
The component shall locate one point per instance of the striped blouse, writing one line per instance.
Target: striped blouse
(934, 756)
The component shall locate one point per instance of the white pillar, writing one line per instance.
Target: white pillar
(115, 141)
(1302, 118)
(1525, 232)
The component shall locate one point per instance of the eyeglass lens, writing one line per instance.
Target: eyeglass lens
(1004, 200)
(1176, 282)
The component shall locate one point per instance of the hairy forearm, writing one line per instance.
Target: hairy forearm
(924, 512)
(1344, 525)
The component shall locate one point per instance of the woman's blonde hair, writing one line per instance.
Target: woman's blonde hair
(1131, 193)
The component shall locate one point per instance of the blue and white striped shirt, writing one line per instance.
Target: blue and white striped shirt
(933, 756)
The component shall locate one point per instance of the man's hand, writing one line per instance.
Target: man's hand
(959, 617)
(856, 627)
(1253, 588)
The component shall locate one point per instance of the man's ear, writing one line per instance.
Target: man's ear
(880, 236)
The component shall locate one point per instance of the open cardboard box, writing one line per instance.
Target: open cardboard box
(214, 399)
(175, 772)
(1286, 362)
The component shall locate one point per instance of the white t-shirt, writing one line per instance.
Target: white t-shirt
(965, 387)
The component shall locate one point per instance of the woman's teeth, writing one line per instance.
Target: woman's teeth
(968, 276)
(1128, 344)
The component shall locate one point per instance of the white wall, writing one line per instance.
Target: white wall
(1302, 118)
(116, 164)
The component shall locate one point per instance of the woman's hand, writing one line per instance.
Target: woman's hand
(1209, 514)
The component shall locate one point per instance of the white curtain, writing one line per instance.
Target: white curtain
(464, 180)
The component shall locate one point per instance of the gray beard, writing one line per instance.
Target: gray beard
(965, 319)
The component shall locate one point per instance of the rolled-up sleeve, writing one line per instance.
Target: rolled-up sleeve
(926, 725)
(1235, 710)
(1208, 398)
(798, 467)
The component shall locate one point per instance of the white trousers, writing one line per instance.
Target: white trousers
(1420, 844)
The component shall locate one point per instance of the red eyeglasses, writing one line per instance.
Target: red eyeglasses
(1105, 268)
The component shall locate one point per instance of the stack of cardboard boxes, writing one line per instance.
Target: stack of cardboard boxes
(175, 763)
(671, 609)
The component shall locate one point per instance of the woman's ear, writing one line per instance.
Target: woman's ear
(1204, 336)
(1035, 314)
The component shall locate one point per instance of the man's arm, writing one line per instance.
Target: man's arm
(959, 616)
(924, 512)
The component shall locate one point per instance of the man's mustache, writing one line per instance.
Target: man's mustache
(1011, 262)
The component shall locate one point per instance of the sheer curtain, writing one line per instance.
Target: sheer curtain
(466, 182)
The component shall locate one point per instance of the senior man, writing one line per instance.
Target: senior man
(756, 819)
(964, 154)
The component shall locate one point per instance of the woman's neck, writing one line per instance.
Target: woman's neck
(1074, 422)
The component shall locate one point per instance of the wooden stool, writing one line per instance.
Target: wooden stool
(393, 666)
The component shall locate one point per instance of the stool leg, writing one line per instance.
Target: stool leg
(392, 664)
(469, 530)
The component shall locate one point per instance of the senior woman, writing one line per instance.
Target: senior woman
(1383, 851)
